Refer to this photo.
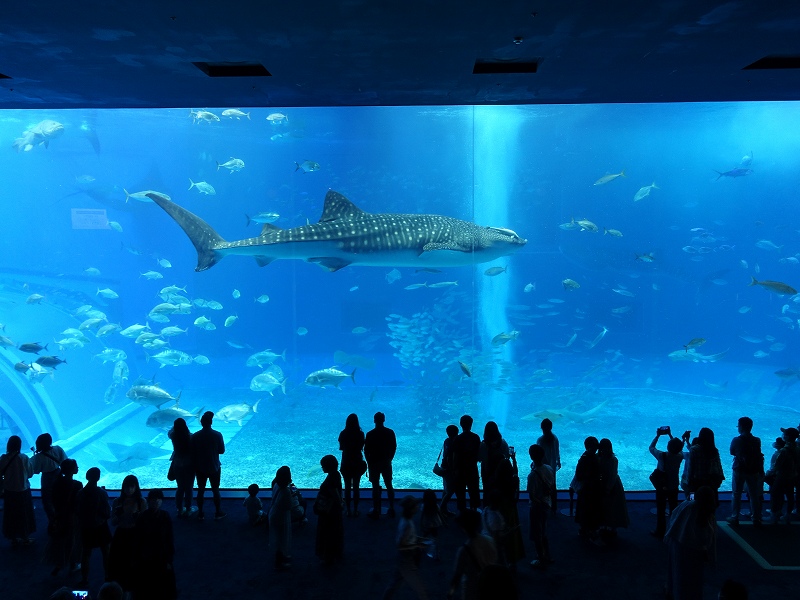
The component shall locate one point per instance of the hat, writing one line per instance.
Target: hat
(791, 433)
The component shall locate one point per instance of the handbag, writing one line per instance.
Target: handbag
(437, 469)
(659, 479)
(171, 475)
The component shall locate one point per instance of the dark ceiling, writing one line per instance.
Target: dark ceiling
(59, 54)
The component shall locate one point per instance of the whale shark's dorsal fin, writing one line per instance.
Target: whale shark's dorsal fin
(269, 228)
(338, 207)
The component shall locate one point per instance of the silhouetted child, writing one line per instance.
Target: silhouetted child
(255, 514)
(430, 521)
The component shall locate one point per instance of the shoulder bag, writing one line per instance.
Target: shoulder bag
(437, 469)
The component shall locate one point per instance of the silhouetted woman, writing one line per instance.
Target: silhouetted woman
(328, 508)
(125, 509)
(704, 466)
(493, 451)
(18, 518)
(47, 460)
(93, 511)
(182, 466)
(280, 518)
(615, 509)
(351, 443)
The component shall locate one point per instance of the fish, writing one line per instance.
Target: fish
(359, 330)
(234, 413)
(92, 272)
(612, 232)
(301, 331)
(235, 113)
(204, 323)
(121, 372)
(262, 299)
(346, 235)
(151, 395)
(609, 177)
(623, 292)
(234, 164)
(744, 309)
(307, 166)
(107, 293)
(415, 286)
(504, 338)
(34, 299)
(262, 218)
(173, 358)
(266, 357)
(599, 337)
(277, 118)
(202, 187)
(325, 377)
(201, 360)
(465, 369)
(203, 115)
(494, 271)
(695, 343)
(229, 321)
(142, 196)
(134, 330)
(767, 245)
(565, 413)
(774, 286)
(693, 356)
(570, 284)
(760, 354)
(49, 361)
(150, 275)
(392, 276)
(717, 387)
(165, 417)
(111, 355)
(529, 288)
(442, 284)
(171, 331)
(644, 192)
(733, 173)
(266, 382)
(39, 134)
(647, 258)
(32, 348)
(587, 225)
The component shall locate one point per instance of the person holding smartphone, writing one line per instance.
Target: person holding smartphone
(666, 477)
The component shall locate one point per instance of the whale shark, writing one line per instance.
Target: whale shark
(346, 235)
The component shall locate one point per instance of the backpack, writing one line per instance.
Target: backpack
(751, 460)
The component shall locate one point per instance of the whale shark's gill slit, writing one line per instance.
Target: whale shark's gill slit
(202, 235)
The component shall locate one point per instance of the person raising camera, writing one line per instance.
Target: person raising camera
(665, 478)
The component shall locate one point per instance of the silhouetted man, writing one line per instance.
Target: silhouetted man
(748, 469)
(207, 445)
(465, 457)
(380, 446)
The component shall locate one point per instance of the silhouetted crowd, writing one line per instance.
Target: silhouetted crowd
(137, 557)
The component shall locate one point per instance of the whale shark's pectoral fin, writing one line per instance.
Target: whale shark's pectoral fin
(431, 246)
(263, 261)
(329, 263)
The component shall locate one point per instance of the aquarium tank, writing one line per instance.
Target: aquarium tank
(614, 268)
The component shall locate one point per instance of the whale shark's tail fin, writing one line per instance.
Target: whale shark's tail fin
(206, 241)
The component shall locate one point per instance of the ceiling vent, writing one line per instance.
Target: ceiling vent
(504, 67)
(233, 69)
(775, 62)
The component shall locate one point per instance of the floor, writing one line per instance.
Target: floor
(230, 559)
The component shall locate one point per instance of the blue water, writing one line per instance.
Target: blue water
(529, 169)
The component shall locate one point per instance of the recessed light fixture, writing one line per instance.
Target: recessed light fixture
(775, 62)
(233, 69)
